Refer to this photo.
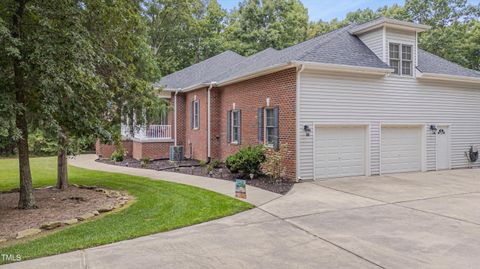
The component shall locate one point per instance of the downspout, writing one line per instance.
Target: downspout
(297, 120)
(175, 117)
(209, 151)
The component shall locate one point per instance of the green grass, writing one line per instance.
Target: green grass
(159, 206)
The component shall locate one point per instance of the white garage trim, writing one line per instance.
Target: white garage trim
(365, 125)
(423, 142)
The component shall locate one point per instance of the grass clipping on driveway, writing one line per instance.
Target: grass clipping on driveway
(159, 206)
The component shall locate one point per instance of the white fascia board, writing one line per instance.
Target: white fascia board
(444, 77)
(345, 68)
(390, 23)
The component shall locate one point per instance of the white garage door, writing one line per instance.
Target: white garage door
(339, 151)
(401, 149)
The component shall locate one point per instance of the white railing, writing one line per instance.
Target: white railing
(149, 132)
(159, 131)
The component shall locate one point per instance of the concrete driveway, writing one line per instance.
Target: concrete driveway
(416, 220)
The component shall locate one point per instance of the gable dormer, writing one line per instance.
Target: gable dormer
(393, 41)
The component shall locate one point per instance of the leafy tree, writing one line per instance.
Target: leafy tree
(454, 34)
(455, 26)
(171, 26)
(14, 18)
(260, 24)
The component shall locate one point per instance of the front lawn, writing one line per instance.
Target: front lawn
(159, 206)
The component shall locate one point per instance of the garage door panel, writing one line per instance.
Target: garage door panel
(339, 151)
(401, 149)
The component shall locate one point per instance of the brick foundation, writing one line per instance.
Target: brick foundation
(152, 150)
(106, 150)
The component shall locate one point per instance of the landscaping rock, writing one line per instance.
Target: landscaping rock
(2, 240)
(105, 209)
(95, 212)
(50, 225)
(28, 232)
(87, 187)
(70, 221)
(113, 194)
(85, 216)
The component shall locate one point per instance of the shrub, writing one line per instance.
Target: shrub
(119, 153)
(40, 145)
(215, 163)
(247, 160)
(273, 166)
(145, 161)
(202, 163)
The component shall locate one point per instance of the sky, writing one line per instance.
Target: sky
(330, 9)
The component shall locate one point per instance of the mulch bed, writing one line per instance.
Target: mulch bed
(53, 205)
(192, 167)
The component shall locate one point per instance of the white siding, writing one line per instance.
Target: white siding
(344, 98)
(374, 41)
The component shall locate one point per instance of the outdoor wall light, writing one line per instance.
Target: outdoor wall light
(307, 130)
(433, 128)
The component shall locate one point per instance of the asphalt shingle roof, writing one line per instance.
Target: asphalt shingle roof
(430, 63)
(201, 72)
(336, 47)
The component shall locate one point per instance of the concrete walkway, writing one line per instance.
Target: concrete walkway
(416, 220)
(255, 196)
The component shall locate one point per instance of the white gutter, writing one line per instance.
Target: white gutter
(344, 68)
(444, 77)
(297, 120)
(209, 155)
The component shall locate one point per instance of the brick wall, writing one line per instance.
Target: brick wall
(152, 150)
(196, 139)
(106, 150)
(248, 96)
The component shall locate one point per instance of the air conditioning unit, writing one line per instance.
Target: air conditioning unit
(176, 153)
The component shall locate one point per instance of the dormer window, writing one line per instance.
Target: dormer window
(401, 59)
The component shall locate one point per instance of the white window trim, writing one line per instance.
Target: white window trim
(400, 59)
(265, 136)
(196, 125)
(232, 126)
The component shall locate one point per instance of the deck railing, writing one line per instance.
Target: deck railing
(153, 131)
(159, 131)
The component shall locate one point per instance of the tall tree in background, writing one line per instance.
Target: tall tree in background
(455, 29)
(184, 32)
(260, 24)
(171, 26)
(209, 31)
(455, 26)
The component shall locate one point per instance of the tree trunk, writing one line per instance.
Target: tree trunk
(26, 200)
(62, 162)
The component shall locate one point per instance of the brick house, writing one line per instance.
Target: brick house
(361, 100)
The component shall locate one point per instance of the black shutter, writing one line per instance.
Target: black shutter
(198, 113)
(239, 127)
(276, 144)
(229, 125)
(260, 125)
(192, 114)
